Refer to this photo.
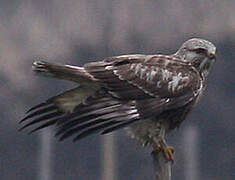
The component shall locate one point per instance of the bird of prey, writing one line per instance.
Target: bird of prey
(149, 95)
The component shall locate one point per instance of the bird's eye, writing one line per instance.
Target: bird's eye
(200, 51)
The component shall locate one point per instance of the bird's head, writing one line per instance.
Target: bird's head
(199, 52)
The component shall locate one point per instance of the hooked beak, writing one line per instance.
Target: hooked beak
(211, 55)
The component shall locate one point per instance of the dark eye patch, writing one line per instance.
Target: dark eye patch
(201, 51)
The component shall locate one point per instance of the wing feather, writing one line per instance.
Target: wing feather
(42, 118)
(44, 125)
(93, 115)
(38, 106)
(154, 76)
(39, 112)
(120, 112)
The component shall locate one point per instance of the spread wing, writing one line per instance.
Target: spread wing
(79, 115)
(124, 89)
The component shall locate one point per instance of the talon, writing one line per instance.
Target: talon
(157, 149)
(168, 153)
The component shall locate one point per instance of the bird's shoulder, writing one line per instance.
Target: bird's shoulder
(157, 60)
(145, 75)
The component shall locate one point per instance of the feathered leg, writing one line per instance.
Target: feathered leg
(161, 145)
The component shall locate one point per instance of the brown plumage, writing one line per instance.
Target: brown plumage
(149, 94)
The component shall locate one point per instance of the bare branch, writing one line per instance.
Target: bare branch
(162, 167)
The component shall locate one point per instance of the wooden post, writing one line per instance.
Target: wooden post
(109, 157)
(45, 155)
(190, 142)
(162, 167)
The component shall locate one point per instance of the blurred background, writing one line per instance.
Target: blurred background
(75, 32)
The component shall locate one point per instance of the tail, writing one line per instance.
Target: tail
(66, 72)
